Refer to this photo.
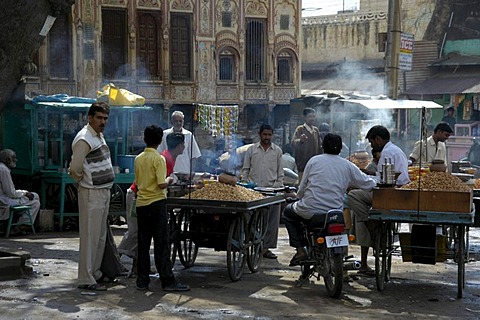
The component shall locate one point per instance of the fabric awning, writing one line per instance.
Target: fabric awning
(452, 85)
(394, 104)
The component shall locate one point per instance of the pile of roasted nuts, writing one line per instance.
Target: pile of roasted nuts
(360, 159)
(438, 181)
(225, 192)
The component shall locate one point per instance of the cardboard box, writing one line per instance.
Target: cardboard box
(437, 201)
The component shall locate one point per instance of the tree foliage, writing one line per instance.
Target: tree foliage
(21, 22)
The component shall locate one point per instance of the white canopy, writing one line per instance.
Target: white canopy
(393, 104)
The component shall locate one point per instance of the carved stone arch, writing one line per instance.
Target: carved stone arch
(286, 41)
(182, 5)
(114, 3)
(150, 4)
(227, 38)
(256, 8)
(229, 48)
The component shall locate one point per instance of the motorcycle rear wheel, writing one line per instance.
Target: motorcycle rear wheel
(334, 277)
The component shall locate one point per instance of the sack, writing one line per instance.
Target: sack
(44, 221)
(119, 97)
(111, 265)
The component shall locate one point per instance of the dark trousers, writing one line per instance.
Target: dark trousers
(293, 223)
(153, 223)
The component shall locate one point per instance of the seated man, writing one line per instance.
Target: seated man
(323, 186)
(11, 197)
(360, 200)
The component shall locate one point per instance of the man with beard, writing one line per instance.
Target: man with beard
(263, 166)
(360, 200)
(9, 196)
(191, 152)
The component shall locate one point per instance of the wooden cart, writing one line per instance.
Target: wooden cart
(456, 223)
(233, 226)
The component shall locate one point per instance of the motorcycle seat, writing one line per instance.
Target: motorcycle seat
(320, 221)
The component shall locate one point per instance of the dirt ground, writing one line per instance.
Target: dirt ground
(415, 291)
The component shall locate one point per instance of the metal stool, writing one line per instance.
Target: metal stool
(19, 209)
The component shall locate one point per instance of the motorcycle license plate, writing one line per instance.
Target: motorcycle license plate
(340, 240)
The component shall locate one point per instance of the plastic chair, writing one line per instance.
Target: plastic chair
(19, 209)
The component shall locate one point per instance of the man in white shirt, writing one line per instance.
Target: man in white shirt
(434, 148)
(360, 201)
(323, 186)
(191, 152)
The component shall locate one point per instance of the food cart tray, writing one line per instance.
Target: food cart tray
(429, 217)
(428, 201)
(225, 205)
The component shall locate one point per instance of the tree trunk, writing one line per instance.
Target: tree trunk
(21, 22)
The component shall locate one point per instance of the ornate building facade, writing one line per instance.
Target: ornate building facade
(177, 53)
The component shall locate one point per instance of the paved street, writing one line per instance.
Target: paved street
(416, 290)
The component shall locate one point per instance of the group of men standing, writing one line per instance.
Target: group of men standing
(324, 178)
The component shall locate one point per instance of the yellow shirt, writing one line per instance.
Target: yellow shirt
(150, 171)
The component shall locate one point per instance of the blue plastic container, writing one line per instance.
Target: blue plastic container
(125, 162)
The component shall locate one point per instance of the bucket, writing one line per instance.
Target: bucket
(125, 162)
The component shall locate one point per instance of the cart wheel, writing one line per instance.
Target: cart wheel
(187, 249)
(380, 255)
(450, 233)
(117, 205)
(461, 261)
(391, 231)
(236, 253)
(174, 235)
(257, 228)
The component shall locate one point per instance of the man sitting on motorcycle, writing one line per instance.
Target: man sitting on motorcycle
(323, 186)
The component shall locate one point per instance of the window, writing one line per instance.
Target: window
(284, 68)
(114, 43)
(148, 63)
(382, 42)
(284, 22)
(181, 47)
(226, 68)
(60, 49)
(256, 47)
(227, 19)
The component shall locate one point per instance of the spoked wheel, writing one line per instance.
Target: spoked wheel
(236, 253)
(187, 249)
(380, 255)
(450, 233)
(173, 236)
(117, 204)
(334, 276)
(390, 230)
(460, 249)
(257, 228)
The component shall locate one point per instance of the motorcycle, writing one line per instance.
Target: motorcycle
(325, 247)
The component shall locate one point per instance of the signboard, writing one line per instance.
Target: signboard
(406, 51)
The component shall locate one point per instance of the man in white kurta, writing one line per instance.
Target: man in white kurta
(191, 152)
